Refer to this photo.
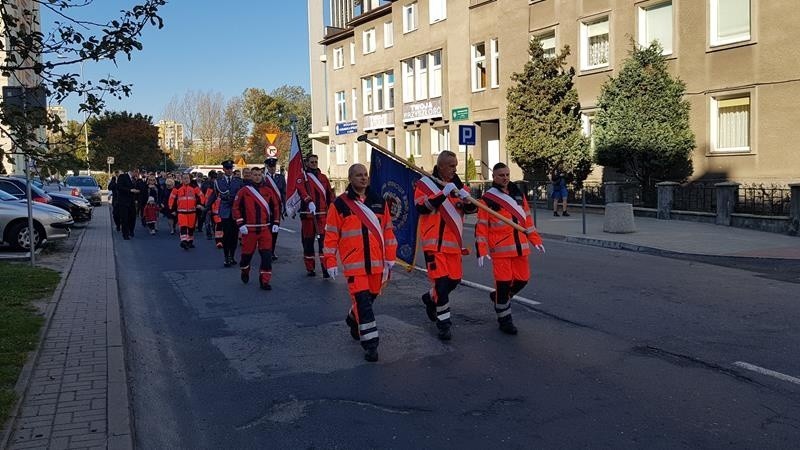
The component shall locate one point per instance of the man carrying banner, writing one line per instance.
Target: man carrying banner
(316, 194)
(359, 228)
(506, 247)
(257, 210)
(277, 182)
(225, 188)
(441, 228)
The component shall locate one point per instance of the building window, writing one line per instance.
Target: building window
(421, 76)
(410, 17)
(413, 146)
(408, 81)
(495, 53)
(388, 34)
(436, 74)
(655, 24)
(354, 101)
(438, 10)
(352, 53)
(594, 44)
(338, 57)
(366, 88)
(355, 152)
(341, 154)
(389, 90)
(378, 81)
(390, 144)
(479, 66)
(587, 122)
(341, 107)
(369, 41)
(730, 124)
(440, 140)
(730, 21)
(548, 43)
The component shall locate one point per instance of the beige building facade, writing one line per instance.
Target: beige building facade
(408, 73)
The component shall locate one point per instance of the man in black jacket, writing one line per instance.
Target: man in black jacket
(126, 203)
(112, 188)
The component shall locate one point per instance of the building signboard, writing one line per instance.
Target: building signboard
(426, 109)
(379, 120)
(460, 113)
(346, 127)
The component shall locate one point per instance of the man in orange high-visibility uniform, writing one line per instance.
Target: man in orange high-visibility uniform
(257, 212)
(186, 200)
(441, 226)
(316, 193)
(359, 227)
(507, 248)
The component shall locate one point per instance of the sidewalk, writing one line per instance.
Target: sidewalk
(669, 236)
(77, 393)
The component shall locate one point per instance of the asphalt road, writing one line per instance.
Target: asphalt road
(625, 350)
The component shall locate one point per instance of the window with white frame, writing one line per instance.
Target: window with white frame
(413, 146)
(379, 96)
(730, 21)
(354, 101)
(369, 43)
(587, 123)
(548, 43)
(440, 140)
(595, 44)
(435, 89)
(366, 89)
(410, 17)
(355, 152)
(341, 154)
(408, 80)
(338, 57)
(730, 124)
(388, 34)
(390, 143)
(352, 53)
(389, 90)
(655, 24)
(341, 106)
(421, 77)
(494, 47)
(479, 66)
(437, 10)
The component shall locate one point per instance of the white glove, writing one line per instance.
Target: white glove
(388, 265)
(333, 271)
(243, 230)
(275, 228)
(540, 247)
(312, 208)
(463, 194)
(448, 188)
(481, 260)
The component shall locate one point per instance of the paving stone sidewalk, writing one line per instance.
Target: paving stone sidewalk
(77, 396)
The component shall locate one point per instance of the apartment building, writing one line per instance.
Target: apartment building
(170, 136)
(409, 72)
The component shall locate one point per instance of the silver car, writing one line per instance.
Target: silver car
(49, 223)
(88, 187)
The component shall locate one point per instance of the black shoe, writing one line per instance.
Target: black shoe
(311, 273)
(274, 258)
(445, 334)
(493, 296)
(127, 238)
(508, 328)
(555, 213)
(325, 274)
(371, 355)
(233, 261)
(565, 214)
(119, 228)
(266, 286)
(430, 307)
(191, 244)
(245, 276)
(184, 245)
(353, 327)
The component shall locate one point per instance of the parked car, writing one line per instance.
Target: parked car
(77, 206)
(88, 187)
(49, 223)
(57, 187)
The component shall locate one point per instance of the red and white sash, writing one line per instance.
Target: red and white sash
(274, 186)
(508, 203)
(261, 200)
(367, 218)
(451, 216)
(318, 183)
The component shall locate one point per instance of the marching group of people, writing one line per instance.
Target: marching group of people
(354, 228)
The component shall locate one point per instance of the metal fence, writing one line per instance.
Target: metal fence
(696, 197)
(594, 192)
(763, 200)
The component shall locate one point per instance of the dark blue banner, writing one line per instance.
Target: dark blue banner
(395, 183)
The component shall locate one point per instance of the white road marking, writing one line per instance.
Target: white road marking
(482, 287)
(286, 230)
(767, 372)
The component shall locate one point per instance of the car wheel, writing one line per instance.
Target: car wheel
(19, 237)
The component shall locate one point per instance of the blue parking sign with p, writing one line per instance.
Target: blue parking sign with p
(466, 135)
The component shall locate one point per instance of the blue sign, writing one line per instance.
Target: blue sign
(466, 135)
(347, 127)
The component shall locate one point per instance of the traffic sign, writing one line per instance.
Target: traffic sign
(272, 151)
(466, 135)
(271, 137)
(110, 160)
(460, 113)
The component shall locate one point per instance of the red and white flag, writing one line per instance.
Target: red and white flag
(296, 177)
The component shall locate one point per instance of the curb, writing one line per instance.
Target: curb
(24, 379)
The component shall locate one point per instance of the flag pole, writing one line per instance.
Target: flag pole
(412, 166)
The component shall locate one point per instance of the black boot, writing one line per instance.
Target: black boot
(430, 307)
(311, 273)
(507, 326)
(445, 334)
(245, 276)
(371, 354)
(353, 327)
(265, 286)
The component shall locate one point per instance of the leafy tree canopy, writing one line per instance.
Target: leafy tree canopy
(131, 139)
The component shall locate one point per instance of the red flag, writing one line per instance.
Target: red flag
(295, 178)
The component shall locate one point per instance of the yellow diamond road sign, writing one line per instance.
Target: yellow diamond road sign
(271, 137)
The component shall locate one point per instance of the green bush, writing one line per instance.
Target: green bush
(102, 179)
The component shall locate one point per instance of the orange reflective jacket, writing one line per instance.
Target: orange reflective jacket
(214, 206)
(498, 239)
(346, 233)
(185, 199)
(435, 224)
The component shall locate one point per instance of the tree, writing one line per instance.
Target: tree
(131, 139)
(44, 63)
(642, 125)
(235, 127)
(544, 122)
(210, 124)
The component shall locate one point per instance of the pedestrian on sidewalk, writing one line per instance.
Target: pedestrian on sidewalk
(506, 247)
(560, 193)
(126, 202)
(112, 189)
(151, 214)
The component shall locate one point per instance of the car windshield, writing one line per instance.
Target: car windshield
(81, 182)
(6, 197)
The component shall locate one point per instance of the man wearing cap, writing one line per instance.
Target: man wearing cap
(277, 182)
(225, 188)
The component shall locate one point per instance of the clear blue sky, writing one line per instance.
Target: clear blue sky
(224, 46)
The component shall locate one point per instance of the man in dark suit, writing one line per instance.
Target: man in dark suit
(126, 203)
(225, 189)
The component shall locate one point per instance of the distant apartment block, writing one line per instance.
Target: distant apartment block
(408, 73)
(170, 136)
